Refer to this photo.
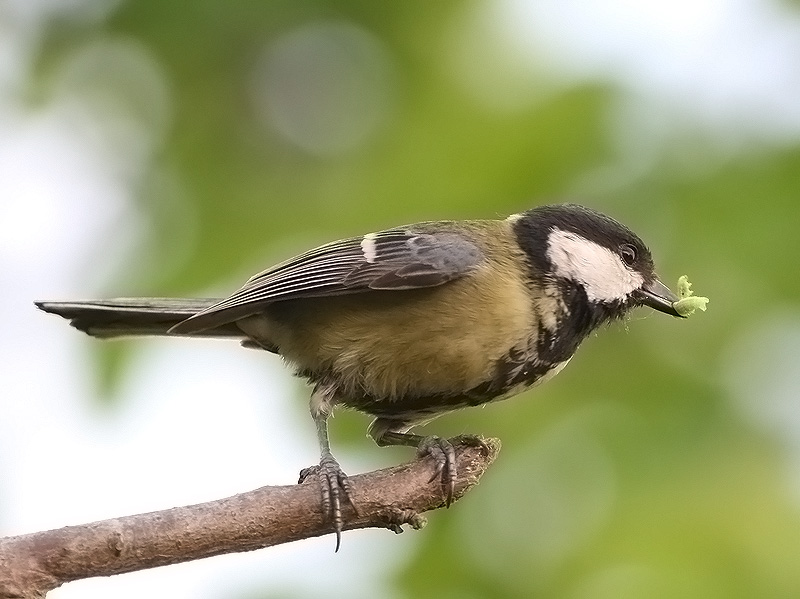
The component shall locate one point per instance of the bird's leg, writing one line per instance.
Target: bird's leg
(386, 431)
(334, 485)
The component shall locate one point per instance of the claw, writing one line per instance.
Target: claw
(334, 488)
(432, 447)
(444, 455)
(305, 473)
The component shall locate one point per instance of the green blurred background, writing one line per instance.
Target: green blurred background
(665, 461)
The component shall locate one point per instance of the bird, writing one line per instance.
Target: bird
(412, 322)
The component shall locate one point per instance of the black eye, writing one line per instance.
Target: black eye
(628, 253)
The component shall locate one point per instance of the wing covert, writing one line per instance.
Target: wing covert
(394, 259)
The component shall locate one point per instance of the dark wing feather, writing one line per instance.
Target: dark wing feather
(395, 259)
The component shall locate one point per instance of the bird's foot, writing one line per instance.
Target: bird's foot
(335, 489)
(444, 455)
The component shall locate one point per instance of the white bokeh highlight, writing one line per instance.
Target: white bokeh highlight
(324, 87)
(728, 67)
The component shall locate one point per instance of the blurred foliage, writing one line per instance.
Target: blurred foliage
(630, 475)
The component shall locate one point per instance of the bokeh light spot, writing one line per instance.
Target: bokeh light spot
(324, 87)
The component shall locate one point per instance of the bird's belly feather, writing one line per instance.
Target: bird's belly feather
(379, 347)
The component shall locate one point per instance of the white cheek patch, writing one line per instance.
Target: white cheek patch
(368, 247)
(603, 274)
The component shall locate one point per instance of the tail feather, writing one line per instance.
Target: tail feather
(124, 317)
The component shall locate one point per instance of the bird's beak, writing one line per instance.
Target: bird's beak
(658, 296)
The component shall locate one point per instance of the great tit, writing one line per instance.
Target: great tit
(412, 322)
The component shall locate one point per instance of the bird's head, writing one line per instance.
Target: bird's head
(599, 266)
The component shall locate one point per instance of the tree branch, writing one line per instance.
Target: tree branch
(33, 564)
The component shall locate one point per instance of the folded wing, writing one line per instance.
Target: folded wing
(395, 259)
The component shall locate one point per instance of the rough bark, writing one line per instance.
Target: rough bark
(33, 564)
